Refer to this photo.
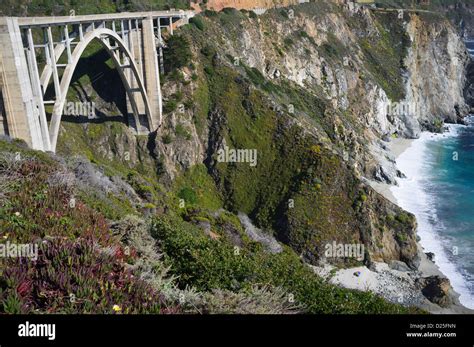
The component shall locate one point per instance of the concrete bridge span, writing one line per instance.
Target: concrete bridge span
(133, 41)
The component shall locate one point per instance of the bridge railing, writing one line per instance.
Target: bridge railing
(76, 19)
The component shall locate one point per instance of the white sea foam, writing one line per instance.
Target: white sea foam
(411, 195)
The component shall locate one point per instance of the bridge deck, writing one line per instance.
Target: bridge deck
(61, 20)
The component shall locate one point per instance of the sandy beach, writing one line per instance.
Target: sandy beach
(394, 285)
(395, 147)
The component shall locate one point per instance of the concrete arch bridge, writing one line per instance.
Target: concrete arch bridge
(133, 41)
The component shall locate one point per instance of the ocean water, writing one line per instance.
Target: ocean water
(439, 190)
(470, 46)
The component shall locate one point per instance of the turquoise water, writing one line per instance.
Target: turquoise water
(439, 191)
(449, 185)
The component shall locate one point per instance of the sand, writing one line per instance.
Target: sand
(396, 286)
(396, 147)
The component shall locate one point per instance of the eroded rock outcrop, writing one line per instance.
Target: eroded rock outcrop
(436, 289)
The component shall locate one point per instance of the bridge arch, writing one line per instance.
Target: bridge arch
(104, 36)
(132, 39)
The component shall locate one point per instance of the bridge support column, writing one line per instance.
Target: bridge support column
(136, 47)
(20, 107)
(151, 72)
(160, 46)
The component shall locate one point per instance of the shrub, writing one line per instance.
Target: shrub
(288, 41)
(188, 195)
(134, 233)
(181, 131)
(172, 103)
(210, 13)
(208, 51)
(170, 106)
(200, 261)
(167, 139)
(403, 218)
(253, 15)
(197, 22)
(257, 300)
(178, 53)
(209, 70)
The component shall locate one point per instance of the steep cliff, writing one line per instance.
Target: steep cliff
(331, 74)
(439, 97)
(275, 84)
(316, 90)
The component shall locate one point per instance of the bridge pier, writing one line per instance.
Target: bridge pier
(20, 109)
(137, 51)
(152, 74)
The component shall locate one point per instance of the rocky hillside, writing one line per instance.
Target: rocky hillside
(310, 93)
(309, 88)
(102, 247)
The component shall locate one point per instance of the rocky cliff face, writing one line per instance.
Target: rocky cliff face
(316, 90)
(469, 88)
(324, 55)
(394, 76)
(461, 15)
(436, 66)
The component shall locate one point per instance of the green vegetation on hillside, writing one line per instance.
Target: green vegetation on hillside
(204, 263)
(87, 265)
(385, 53)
